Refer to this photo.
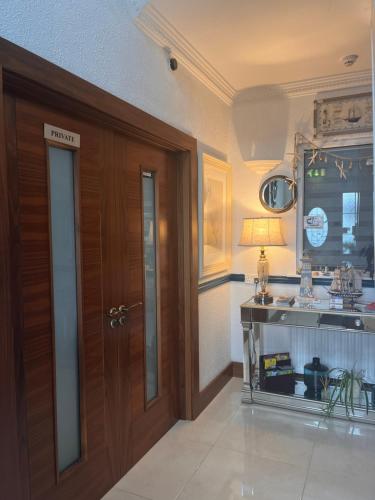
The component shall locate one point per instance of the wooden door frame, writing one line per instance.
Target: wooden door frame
(32, 77)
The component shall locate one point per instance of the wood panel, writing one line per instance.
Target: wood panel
(115, 255)
(10, 449)
(34, 262)
(150, 422)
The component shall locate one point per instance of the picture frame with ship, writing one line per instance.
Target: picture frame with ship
(343, 115)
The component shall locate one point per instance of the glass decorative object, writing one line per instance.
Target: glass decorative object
(313, 377)
(306, 286)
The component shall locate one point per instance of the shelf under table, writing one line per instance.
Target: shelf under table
(299, 403)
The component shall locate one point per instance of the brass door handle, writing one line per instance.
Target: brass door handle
(113, 312)
(117, 315)
(124, 309)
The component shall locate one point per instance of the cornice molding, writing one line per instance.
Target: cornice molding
(326, 83)
(307, 87)
(162, 32)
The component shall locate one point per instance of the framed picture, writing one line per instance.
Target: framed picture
(216, 215)
(343, 115)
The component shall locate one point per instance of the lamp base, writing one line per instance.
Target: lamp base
(263, 298)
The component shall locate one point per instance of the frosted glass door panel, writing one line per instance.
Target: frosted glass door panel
(151, 314)
(64, 267)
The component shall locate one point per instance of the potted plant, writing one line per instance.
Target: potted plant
(347, 390)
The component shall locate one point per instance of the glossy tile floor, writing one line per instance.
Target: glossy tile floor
(234, 451)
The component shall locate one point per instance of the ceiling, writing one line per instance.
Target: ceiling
(265, 42)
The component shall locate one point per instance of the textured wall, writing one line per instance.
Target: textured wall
(98, 41)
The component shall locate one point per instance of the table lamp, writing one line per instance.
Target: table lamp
(262, 232)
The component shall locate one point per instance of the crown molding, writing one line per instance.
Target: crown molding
(162, 32)
(307, 87)
(325, 83)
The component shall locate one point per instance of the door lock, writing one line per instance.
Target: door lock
(122, 320)
(114, 323)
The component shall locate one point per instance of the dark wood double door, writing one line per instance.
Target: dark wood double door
(118, 406)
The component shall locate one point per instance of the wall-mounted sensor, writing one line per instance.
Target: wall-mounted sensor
(349, 60)
(173, 64)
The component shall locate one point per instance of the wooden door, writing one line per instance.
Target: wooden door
(37, 318)
(142, 416)
(116, 422)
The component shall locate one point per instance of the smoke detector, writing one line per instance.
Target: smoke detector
(349, 60)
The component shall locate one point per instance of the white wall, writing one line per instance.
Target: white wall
(98, 41)
(214, 326)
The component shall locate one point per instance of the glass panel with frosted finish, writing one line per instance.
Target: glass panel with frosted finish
(64, 268)
(151, 314)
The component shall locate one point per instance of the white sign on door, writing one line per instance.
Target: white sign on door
(58, 134)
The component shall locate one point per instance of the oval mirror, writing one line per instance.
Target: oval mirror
(278, 194)
(318, 236)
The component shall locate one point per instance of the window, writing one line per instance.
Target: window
(150, 231)
(65, 314)
(345, 207)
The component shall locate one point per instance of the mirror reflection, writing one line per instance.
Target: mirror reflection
(277, 194)
(344, 207)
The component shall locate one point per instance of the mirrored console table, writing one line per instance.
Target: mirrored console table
(311, 319)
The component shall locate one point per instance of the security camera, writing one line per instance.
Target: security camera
(173, 64)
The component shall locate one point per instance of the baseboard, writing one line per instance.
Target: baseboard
(237, 369)
(212, 390)
(234, 369)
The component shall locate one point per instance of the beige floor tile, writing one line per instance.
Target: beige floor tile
(213, 420)
(234, 451)
(231, 475)
(283, 436)
(343, 463)
(116, 494)
(162, 473)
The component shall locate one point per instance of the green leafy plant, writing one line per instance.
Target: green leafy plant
(343, 392)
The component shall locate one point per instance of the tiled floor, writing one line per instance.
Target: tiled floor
(235, 451)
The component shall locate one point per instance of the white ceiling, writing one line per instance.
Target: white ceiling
(264, 42)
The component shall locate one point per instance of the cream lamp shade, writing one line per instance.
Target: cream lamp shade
(262, 232)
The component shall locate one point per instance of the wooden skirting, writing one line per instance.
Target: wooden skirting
(237, 369)
(234, 369)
